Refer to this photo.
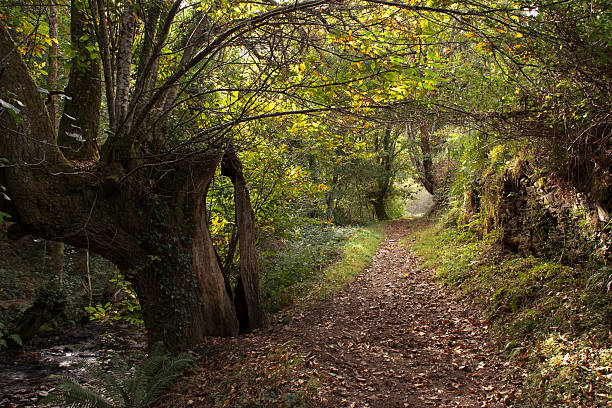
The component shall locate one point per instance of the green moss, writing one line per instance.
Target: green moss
(47, 330)
(531, 300)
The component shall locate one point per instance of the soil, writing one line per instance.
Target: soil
(393, 338)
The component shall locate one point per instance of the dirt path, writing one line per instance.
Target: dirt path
(393, 338)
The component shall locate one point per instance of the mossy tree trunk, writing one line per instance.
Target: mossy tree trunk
(384, 146)
(151, 225)
(78, 127)
(179, 283)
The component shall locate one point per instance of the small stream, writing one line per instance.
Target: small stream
(26, 378)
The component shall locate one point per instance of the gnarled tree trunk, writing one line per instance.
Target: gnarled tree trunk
(180, 285)
(153, 230)
(247, 297)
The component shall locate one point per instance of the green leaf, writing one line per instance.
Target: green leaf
(16, 338)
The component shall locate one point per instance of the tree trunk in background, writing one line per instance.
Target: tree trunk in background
(379, 209)
(385, 150)
(247, 297)
(43, 310)
(427, 177)
(330, 199)
(78, 129)
(81, 107)
(421, 153)
(56, 249)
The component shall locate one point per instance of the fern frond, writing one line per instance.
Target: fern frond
(145, 370)
(112, 386)
(124, 386)
(150, 365)
(71, 394)
(173, 367)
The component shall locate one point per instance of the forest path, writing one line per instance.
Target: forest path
(392, 338)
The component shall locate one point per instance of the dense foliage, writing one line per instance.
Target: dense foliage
(178, 138)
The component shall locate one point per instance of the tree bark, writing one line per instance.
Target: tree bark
(56, 249)
(427, 177)
(385, 149)
(124, 63)
(52, 62)
(247, 297)
(180, 287)
(78, 129)
(98, 11)
(379, 209)
(165, 249)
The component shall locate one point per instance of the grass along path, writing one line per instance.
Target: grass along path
(315, 264)
(552, 319)
(393, 338)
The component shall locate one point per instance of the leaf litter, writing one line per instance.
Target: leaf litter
(393, 338)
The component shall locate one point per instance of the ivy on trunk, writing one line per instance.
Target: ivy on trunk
(144, 216)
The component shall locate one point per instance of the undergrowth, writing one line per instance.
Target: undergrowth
(316, 263)
(553, 319)
(126, 385)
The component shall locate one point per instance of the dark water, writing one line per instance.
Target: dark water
(26, 378)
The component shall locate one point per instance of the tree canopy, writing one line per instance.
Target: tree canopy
(309, 101)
